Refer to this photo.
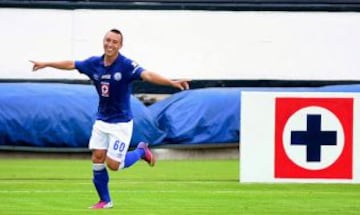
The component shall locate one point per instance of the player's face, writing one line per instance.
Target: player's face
(112, 44)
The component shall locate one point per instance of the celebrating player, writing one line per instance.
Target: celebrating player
(112, 74)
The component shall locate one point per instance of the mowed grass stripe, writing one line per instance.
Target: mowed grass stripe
(176, 191)
(37, 187)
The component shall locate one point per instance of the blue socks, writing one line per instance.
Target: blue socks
(101, 181)
(101, 176)
(133, 156)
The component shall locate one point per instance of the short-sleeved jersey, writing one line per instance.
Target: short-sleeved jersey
(113, 85)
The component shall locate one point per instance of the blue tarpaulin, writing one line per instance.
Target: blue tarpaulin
(60, 115)
(210, 115)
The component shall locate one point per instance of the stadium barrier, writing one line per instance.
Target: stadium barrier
(61, 115)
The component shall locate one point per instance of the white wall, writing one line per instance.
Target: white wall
(188, 44)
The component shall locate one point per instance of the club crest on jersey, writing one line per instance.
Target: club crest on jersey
(117, 76)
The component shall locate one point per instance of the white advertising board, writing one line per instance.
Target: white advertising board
(299, 137)
(197, 45)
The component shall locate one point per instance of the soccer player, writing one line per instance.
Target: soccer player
(112, 74)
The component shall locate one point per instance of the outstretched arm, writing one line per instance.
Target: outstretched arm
(65, 65)
(155, 78)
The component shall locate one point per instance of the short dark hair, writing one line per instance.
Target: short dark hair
(117, 31)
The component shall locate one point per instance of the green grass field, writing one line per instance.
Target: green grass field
(54, 187)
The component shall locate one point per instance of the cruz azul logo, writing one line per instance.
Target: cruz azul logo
(314, 138)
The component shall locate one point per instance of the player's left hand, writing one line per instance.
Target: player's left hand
(181, 84)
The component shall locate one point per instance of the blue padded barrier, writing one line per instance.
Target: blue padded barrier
(59, 115)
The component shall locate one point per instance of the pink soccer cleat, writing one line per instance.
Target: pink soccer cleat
(148, 157)
(102, 205)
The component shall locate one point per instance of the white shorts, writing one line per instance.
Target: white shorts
(113, 137)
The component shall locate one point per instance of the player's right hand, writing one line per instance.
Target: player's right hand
(37, 65)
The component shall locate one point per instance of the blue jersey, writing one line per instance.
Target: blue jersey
(113, 84)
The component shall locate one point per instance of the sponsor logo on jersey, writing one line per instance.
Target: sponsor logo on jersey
(105, 89)
(134, 64)
(106, 77)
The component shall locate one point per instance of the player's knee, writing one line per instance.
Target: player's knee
(98, 156)
(112, 165)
